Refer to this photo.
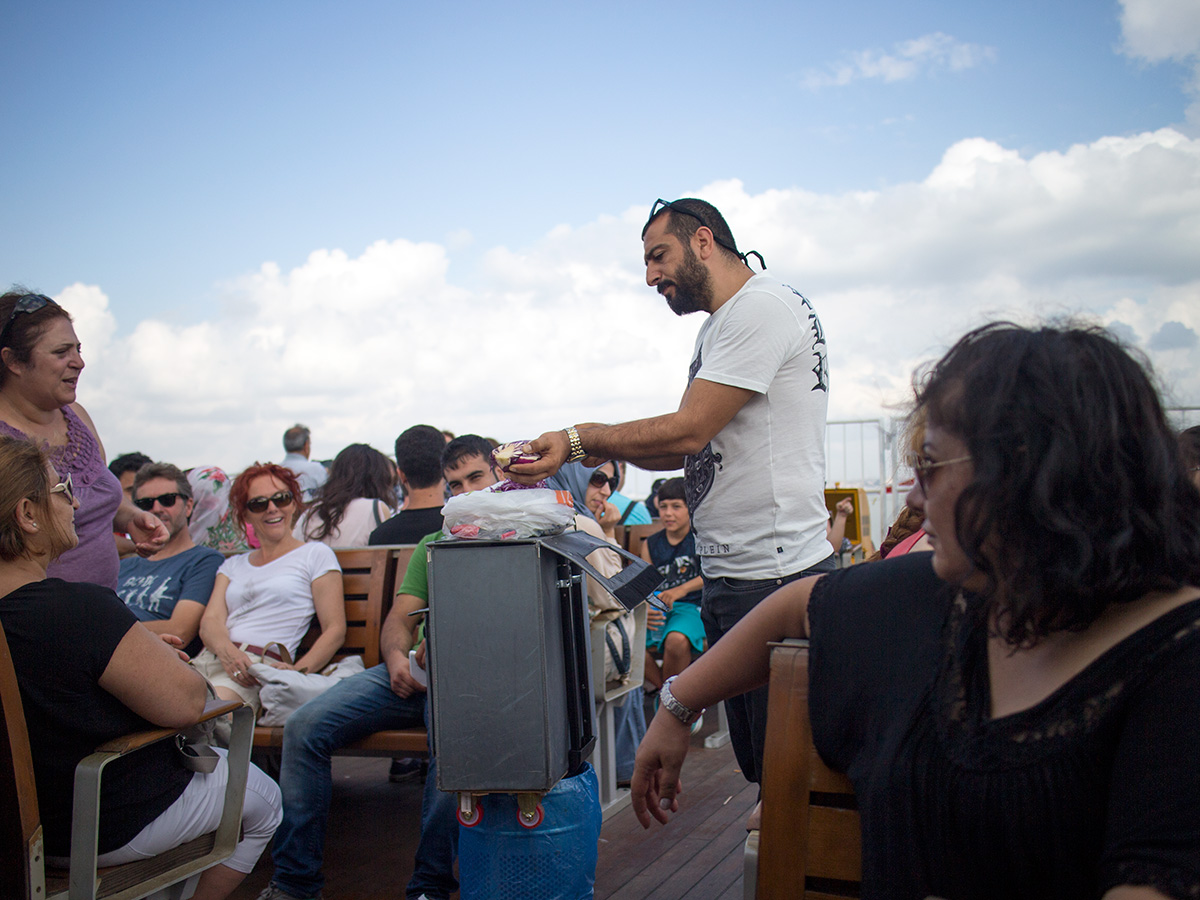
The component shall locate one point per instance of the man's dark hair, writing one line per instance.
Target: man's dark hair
(162, 470)
(671, 489)
(419, 455)
(295, 438)
(463, 446)
(128, 462)
(688, 214)
(1079, 497)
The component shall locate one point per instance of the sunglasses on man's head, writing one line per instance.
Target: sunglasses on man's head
(27, 303)
(281, 500)
(164, 500)
(673, 205)
(65, 487)
(599, 479)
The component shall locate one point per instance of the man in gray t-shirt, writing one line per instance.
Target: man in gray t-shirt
(169, 590)
(749, 432)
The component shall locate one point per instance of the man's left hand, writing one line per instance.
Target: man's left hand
(148, 532)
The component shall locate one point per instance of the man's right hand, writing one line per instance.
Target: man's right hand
(403, 684)
(553, 447)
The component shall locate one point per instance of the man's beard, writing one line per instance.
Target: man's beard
(693, 286)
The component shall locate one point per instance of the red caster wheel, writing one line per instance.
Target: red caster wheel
(532, 821)
(471, 819)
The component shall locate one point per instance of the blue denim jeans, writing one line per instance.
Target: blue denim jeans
(433, 870)
(724, 602)
(347, 712)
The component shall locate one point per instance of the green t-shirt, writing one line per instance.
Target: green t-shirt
(416, 577)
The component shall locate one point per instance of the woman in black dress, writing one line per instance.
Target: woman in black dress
(1019, 710)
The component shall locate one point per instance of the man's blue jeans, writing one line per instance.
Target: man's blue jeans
(723, 603)
(347, 712)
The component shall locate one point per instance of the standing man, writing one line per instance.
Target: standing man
(169, 590)
(297, 442)
(749, 434)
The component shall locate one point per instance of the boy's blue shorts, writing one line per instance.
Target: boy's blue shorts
(683, 617)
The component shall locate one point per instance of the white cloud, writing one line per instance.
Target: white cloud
(1161, 30)
(565, 330)
(907, 59)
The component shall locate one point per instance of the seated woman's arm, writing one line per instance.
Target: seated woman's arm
(215, 634)
(738, 662)
(331, 613)
(148, 677)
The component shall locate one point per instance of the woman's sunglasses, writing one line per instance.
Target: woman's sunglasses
(259, 504)
(27, 303)
(164, 500)
(65, 487)
(599, 479)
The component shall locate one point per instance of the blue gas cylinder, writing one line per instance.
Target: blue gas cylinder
(500, 858)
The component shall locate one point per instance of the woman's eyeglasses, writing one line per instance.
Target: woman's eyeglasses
(599, 480)
(281, 500)
(166, 501)
(924, 466)
(65, 487)
(27, 303)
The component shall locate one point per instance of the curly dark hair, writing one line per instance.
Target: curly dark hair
(1079, 497)
(239, 493)
(359, 470)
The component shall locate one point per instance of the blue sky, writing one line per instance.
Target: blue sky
(208, 179)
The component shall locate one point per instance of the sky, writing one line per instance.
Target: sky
(373, 215)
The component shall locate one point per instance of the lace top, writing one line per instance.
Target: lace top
(99, 493)
(1098, 785)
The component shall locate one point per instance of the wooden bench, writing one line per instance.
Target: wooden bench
(370, 576)
(809, 846)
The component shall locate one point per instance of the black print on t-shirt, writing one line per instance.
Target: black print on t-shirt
(821, 367)
(699, 471)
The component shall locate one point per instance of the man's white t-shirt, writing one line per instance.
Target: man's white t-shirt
(756, 492)
(274, 602)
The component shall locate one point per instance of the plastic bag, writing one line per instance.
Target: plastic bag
(505, 515)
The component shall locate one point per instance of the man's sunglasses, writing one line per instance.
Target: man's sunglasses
(65, 487)
(281, 500)
(599, 479)
(673, 205)
(166, 501)
(26, 303)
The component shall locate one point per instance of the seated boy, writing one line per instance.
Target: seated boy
(679, 634)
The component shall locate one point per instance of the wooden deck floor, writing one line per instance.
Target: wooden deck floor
(374, 826)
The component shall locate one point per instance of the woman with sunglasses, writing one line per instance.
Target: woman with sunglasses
(1018, 709)
(263, 601)
(40, 363)
(89, 672)
(590, 489)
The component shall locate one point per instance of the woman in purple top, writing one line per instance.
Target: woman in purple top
(40, 363)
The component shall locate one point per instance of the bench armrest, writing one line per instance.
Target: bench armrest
(127, 743)
(85, 818)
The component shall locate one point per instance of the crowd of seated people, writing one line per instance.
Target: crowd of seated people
(281, 574)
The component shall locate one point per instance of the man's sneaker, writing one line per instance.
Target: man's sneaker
(698, 724)
(270, 892)
(407, 769)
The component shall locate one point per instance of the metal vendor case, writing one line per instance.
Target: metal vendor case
(509, 662)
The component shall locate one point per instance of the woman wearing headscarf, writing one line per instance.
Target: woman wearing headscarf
(590, 490)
